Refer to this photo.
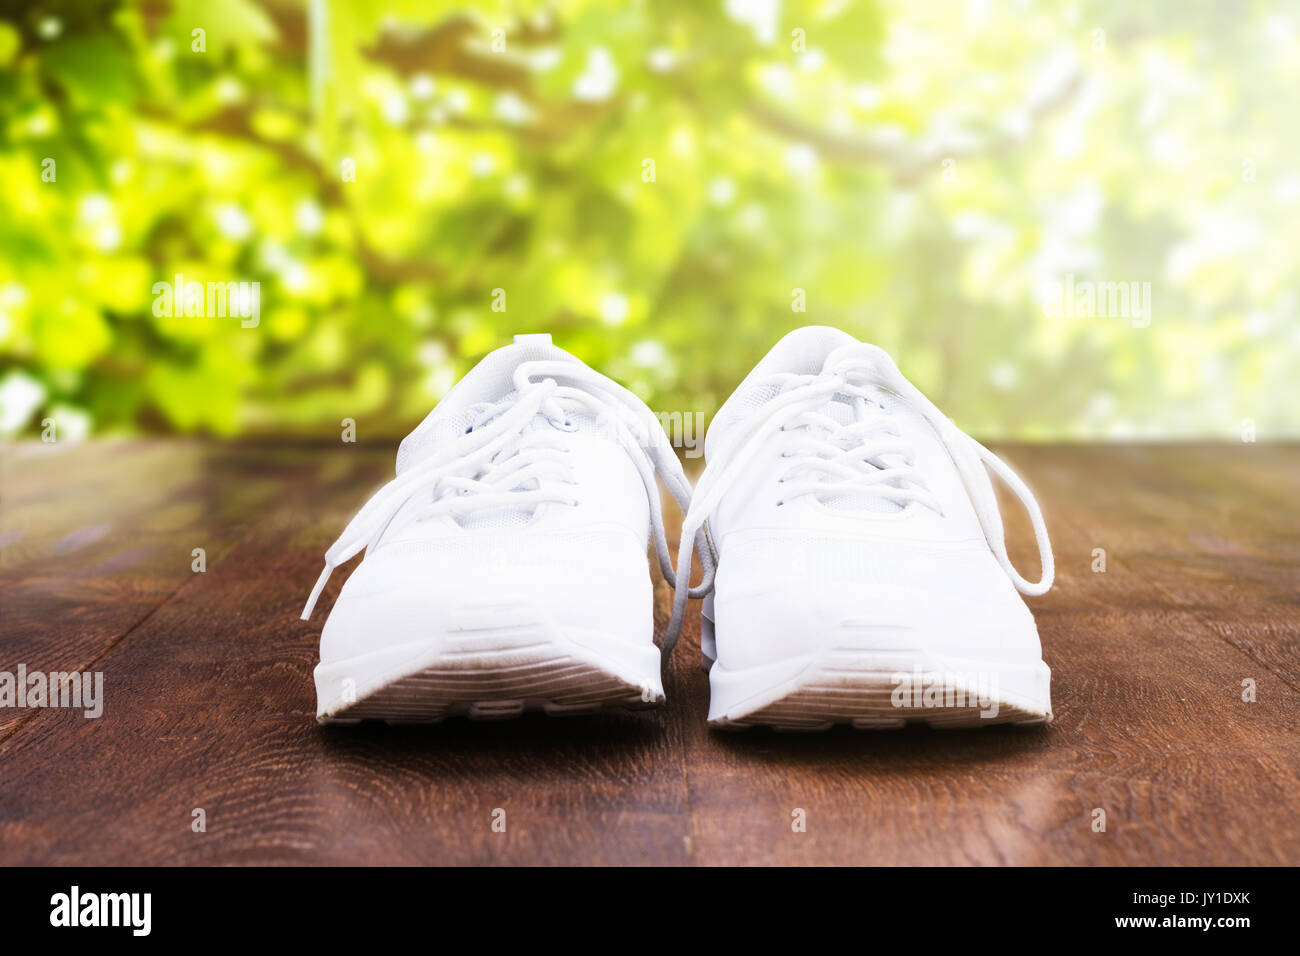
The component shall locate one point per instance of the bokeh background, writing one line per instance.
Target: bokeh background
(660, 185)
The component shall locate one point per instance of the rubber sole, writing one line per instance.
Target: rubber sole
(878, 690)
(489, 674)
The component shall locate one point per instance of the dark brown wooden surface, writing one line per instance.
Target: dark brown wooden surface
(210, 703)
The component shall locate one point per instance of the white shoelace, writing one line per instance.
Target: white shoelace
(486, 466)
(863, 457)
(866, 457)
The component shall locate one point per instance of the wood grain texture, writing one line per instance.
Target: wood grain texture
(210, 701)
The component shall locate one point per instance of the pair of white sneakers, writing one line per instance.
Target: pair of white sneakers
(854, 568)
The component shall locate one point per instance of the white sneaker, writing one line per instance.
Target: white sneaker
(505, 565)
(862, 574)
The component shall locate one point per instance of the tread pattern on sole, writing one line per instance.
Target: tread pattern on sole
(837, 692)
(498, 684)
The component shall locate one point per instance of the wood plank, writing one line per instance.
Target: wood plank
(1214, 528)
(98, 535)
(1150, 727)
(211, 705)
(210, 699)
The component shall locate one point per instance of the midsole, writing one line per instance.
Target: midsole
(916, 678)
(340, 684)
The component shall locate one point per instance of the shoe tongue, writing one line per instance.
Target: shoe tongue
(488, 382)
(801, 352)
(805, 351)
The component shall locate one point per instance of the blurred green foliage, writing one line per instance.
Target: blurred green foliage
(653, 182)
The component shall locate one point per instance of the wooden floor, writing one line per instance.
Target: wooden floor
(210, 702)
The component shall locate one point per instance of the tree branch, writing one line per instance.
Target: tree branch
(911, 162)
